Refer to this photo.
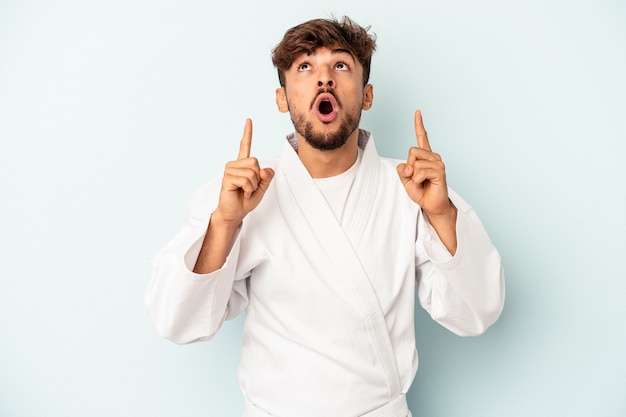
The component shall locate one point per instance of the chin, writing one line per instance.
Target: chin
(328, 140)
(328, 145)
(326, 136)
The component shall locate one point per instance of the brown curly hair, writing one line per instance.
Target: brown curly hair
(305, 38)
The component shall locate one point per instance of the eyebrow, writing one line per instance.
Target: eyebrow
(342, 51)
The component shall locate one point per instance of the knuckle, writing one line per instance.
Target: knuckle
(246, 173)
(249, 162)
(252, 175)
(251, 183)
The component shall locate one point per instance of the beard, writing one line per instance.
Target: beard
(330, 140)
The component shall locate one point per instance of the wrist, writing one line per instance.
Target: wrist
(218, 220)
(444, 224)
(444, 215)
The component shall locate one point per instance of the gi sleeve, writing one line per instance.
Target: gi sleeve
(465, 292)
(186, 307)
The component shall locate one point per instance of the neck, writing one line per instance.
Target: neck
(324, 164)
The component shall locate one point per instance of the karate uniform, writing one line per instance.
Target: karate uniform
(329, 329)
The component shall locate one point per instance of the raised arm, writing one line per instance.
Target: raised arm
(243, 186)
(424, 178)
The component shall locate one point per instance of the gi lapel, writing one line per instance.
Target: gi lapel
(316, 228)
(363, 194)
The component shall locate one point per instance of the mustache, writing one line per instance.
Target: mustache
(325, 90)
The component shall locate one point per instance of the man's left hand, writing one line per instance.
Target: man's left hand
(424, 178)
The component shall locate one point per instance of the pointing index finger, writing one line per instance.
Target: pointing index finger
(246, 141)
(420, 132)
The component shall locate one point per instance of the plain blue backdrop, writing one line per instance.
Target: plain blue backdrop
(113, 113)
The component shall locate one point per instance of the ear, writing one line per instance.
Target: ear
(368, 97)
(281, 100)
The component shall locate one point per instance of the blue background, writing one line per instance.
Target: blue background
(113, 113)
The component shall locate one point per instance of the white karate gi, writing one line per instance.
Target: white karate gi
(329, 328)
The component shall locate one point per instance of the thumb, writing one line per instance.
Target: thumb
(405, 172)
(267, 174)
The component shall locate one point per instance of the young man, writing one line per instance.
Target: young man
(325, 246)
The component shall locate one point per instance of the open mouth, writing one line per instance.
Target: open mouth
(326, 107)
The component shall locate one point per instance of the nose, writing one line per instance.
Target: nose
(328, 82)
(325, 78)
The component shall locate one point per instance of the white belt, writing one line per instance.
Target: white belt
(396, 408)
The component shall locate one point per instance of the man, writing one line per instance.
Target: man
(323, 248)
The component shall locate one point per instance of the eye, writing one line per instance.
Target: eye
(342, 66)
(305, 66)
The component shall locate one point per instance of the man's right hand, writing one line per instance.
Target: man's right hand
(243, 187)
(244, 183)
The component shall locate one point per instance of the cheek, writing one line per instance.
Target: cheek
(296, 99)
(356, 96)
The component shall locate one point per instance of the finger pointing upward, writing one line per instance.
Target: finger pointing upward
(420, 132)
(246, 141)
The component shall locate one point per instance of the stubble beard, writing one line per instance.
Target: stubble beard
(326, 141)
